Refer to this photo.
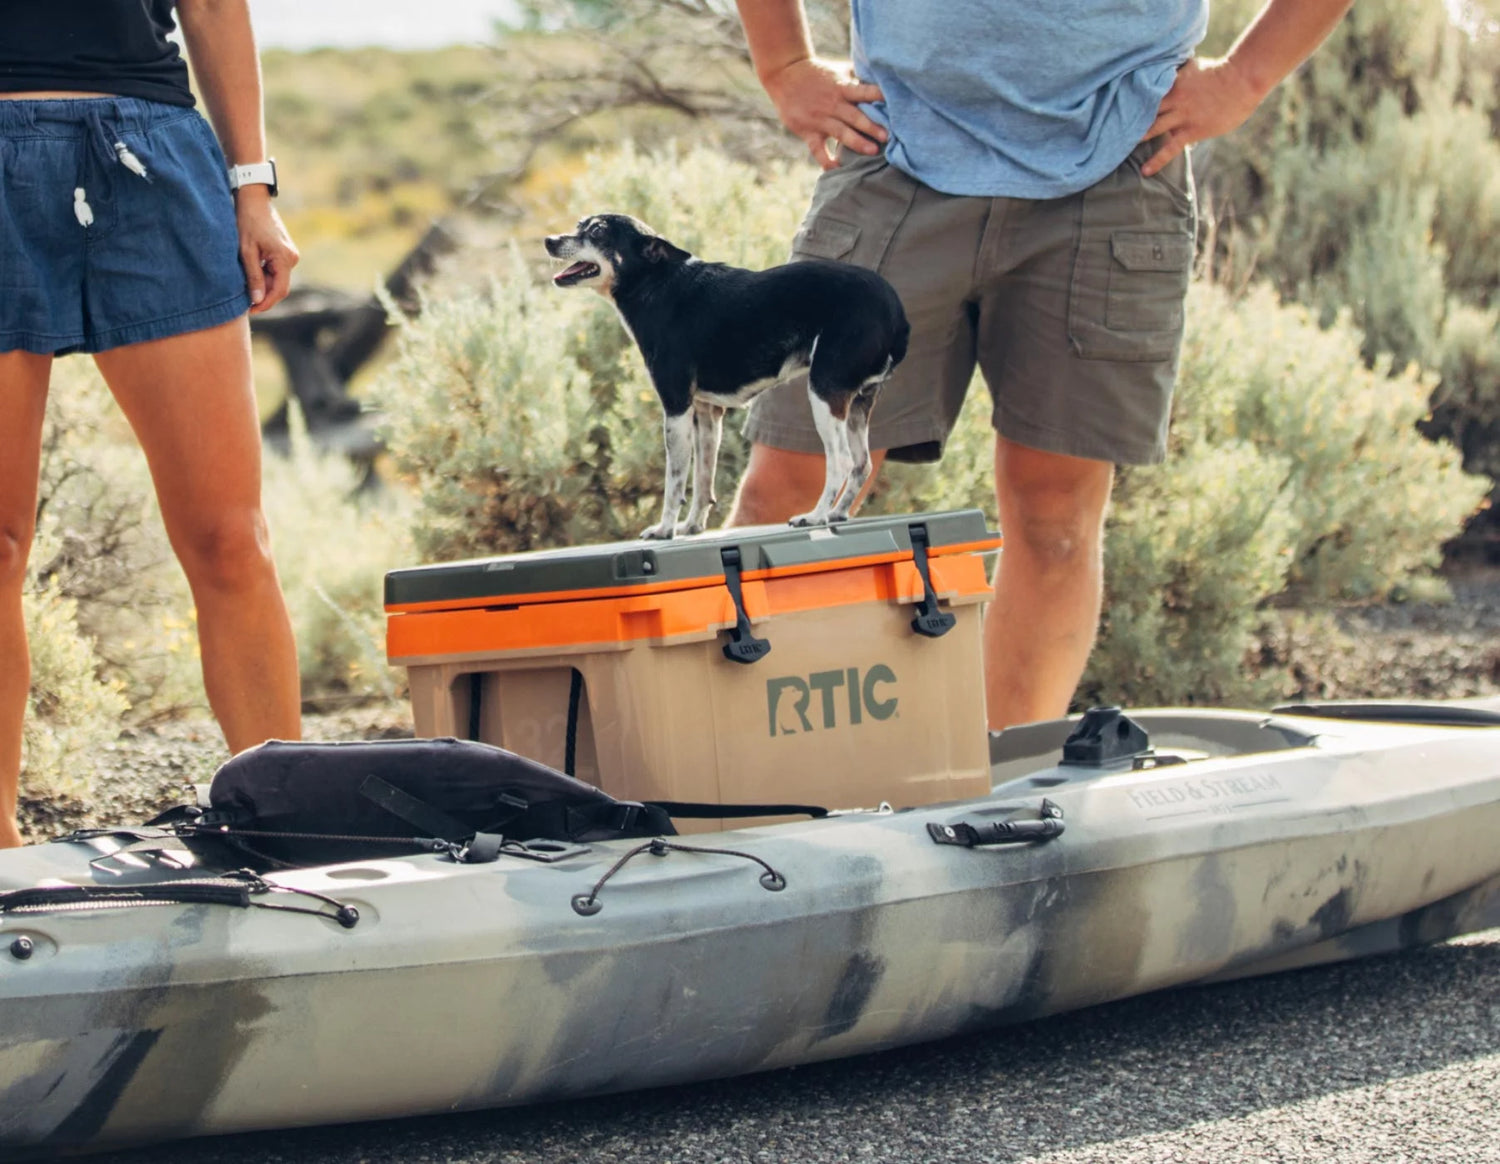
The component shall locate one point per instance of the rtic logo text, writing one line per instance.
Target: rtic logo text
(846, 697)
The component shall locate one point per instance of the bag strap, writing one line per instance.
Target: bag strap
(691, 810)
(434, 822)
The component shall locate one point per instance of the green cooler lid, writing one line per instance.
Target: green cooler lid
(619, 565)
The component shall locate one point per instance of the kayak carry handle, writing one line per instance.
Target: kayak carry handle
(1047, 825)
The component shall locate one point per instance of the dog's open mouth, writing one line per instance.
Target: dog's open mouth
(575, 273)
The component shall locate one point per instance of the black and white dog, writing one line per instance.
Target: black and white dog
(714, 337)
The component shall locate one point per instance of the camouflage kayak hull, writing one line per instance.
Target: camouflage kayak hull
(1275, 842)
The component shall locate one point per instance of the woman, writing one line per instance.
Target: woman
(120, 235)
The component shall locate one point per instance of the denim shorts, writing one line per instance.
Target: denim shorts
(117, 225)
(1072, 308)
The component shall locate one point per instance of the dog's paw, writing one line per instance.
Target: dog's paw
(660, 532)
(803, 520)
(686, 529)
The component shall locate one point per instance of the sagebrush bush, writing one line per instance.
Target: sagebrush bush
(333, 546)
(1372, 503)
(71, 711)
(1466, 406)
(1191, 550)
(1370, 183)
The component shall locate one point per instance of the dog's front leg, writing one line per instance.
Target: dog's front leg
(838, 458)
(708, 429)
(679, 437)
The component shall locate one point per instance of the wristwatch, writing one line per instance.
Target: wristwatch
(255, 174)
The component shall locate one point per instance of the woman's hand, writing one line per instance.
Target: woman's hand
(266, 250)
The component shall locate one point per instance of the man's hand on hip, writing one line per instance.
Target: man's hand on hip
(819, 101)
(1208, 98)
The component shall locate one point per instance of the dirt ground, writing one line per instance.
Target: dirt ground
(1389, 650)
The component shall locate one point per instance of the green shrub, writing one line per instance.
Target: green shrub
(1191, 550)
(333, 547)
(1466, 405)
(1372, 504)
(1370, 183)
(71, 712)
(1295, 472)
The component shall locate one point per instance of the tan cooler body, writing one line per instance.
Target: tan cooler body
(766, 665)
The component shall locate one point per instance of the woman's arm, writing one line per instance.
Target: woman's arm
(221, 46)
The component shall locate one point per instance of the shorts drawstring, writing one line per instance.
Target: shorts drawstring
(112, 151)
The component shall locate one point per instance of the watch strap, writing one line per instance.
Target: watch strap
(254, 174)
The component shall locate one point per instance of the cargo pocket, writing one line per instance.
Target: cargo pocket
(825, 238)
(1127, 295)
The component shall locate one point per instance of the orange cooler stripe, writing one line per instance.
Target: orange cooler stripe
(680, 584)
(667, 615)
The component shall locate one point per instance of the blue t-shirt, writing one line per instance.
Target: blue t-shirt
(1018, 98)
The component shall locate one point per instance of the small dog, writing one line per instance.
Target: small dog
(714, 337)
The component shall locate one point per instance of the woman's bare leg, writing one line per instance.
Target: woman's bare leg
(190, 401)
(23, 401)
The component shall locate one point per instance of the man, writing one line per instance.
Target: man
(1017, 171)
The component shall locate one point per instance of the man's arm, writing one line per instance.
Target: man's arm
(1212, 97)
(221, 45)
(816, 99)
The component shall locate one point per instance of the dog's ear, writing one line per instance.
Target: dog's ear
(659, 250)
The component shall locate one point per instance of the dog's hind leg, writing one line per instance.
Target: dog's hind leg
(708, 428)
(832, 422)
(857, 428)
(679, 437)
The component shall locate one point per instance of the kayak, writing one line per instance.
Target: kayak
(146, 994)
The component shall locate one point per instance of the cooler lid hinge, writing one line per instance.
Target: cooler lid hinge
(743, 646)
(930, 621)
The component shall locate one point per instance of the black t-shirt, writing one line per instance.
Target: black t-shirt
(97, 46)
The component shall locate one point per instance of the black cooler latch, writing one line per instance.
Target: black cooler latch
(930, 621)
(743, 646)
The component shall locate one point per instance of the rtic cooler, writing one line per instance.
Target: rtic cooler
(835, 665)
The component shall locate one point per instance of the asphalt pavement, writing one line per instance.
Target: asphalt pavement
(1391, 1059)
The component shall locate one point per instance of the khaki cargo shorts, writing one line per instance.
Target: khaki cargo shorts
(1072, 308)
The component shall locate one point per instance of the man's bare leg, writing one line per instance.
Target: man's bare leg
(23, 402)
(1049, 585)
(778, 484)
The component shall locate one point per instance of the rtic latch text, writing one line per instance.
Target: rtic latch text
(831, 698)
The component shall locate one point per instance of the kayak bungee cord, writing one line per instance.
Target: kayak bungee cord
(588, 904)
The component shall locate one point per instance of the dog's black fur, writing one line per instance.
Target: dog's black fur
(714, 337)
